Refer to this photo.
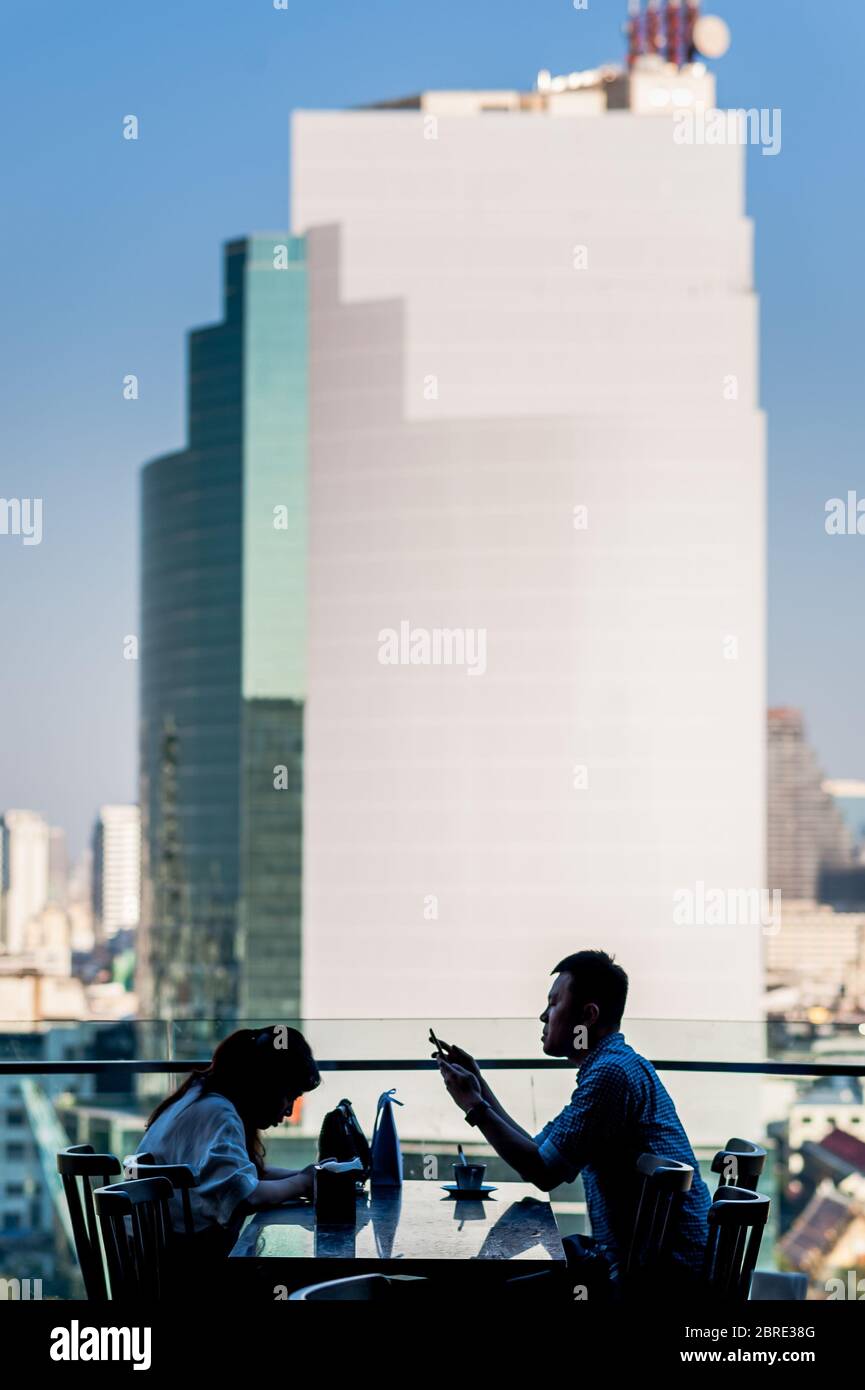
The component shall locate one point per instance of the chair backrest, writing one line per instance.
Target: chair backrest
(663, 1180)
(737, 1220)
(358, 1288)
(181, 1177)
(77, 1166)
(136, 1233)
(739, 1164)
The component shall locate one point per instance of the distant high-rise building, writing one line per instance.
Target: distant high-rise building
(81, 878)
(58, 867)
(223, 655)
(116, 869)
(48, 940)
(820, 955)
(537, 558)
(25, 874)
(806, 831)
(80, 903)
(849, 796)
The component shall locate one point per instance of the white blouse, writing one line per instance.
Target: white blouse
(206, 1133)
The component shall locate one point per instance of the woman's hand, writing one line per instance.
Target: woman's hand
(307, 1175)
(272, 1191)
(306, 1180)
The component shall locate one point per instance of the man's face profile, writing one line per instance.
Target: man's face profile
(558, 1019)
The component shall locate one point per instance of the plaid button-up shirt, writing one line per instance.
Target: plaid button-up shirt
(620, 1110)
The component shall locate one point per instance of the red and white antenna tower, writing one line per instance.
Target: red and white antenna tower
(674, 32)
(634, 30)
(654, 37)
(692, 14)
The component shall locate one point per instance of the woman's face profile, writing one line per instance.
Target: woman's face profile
(280, 1110)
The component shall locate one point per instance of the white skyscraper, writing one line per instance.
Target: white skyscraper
(534, 426)
(58, 866)
(24, 857)
(116, 869)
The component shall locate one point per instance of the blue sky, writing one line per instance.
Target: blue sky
(111, 251)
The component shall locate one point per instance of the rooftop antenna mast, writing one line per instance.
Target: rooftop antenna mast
(654, 38)
(634, 30)
(692, 15)
(674, 32)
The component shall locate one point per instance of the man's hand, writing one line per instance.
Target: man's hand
(459, 1058)
(463, 1087)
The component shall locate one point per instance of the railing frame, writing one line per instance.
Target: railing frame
(170, 1066)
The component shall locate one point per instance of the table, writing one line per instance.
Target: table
(415, 1229)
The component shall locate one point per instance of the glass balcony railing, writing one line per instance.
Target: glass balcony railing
(795, 1089)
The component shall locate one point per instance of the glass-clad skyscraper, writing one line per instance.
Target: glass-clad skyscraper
(223, 659)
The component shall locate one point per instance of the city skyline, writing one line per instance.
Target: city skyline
(430, 533)
(143, 293)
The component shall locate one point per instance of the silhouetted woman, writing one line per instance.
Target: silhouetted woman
(212, 1123)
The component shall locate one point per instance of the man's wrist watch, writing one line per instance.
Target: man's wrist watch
(472, 1116)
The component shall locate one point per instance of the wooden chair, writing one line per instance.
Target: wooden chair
(737, 1220)
(663, 1181)
(181, 1177)
(137, 1235)
(746, 1160)
(741, 1158)
(77, 1166)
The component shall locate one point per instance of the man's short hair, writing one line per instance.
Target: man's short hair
(596, 979)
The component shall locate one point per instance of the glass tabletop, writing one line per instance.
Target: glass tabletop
(418, 1221)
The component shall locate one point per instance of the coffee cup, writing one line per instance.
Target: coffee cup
(469, 1177)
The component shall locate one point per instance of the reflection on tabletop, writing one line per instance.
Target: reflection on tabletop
(418, 1221)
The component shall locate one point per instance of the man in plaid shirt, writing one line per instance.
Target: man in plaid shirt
(619, 1110)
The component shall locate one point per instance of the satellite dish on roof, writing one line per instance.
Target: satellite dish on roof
(712, 36)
